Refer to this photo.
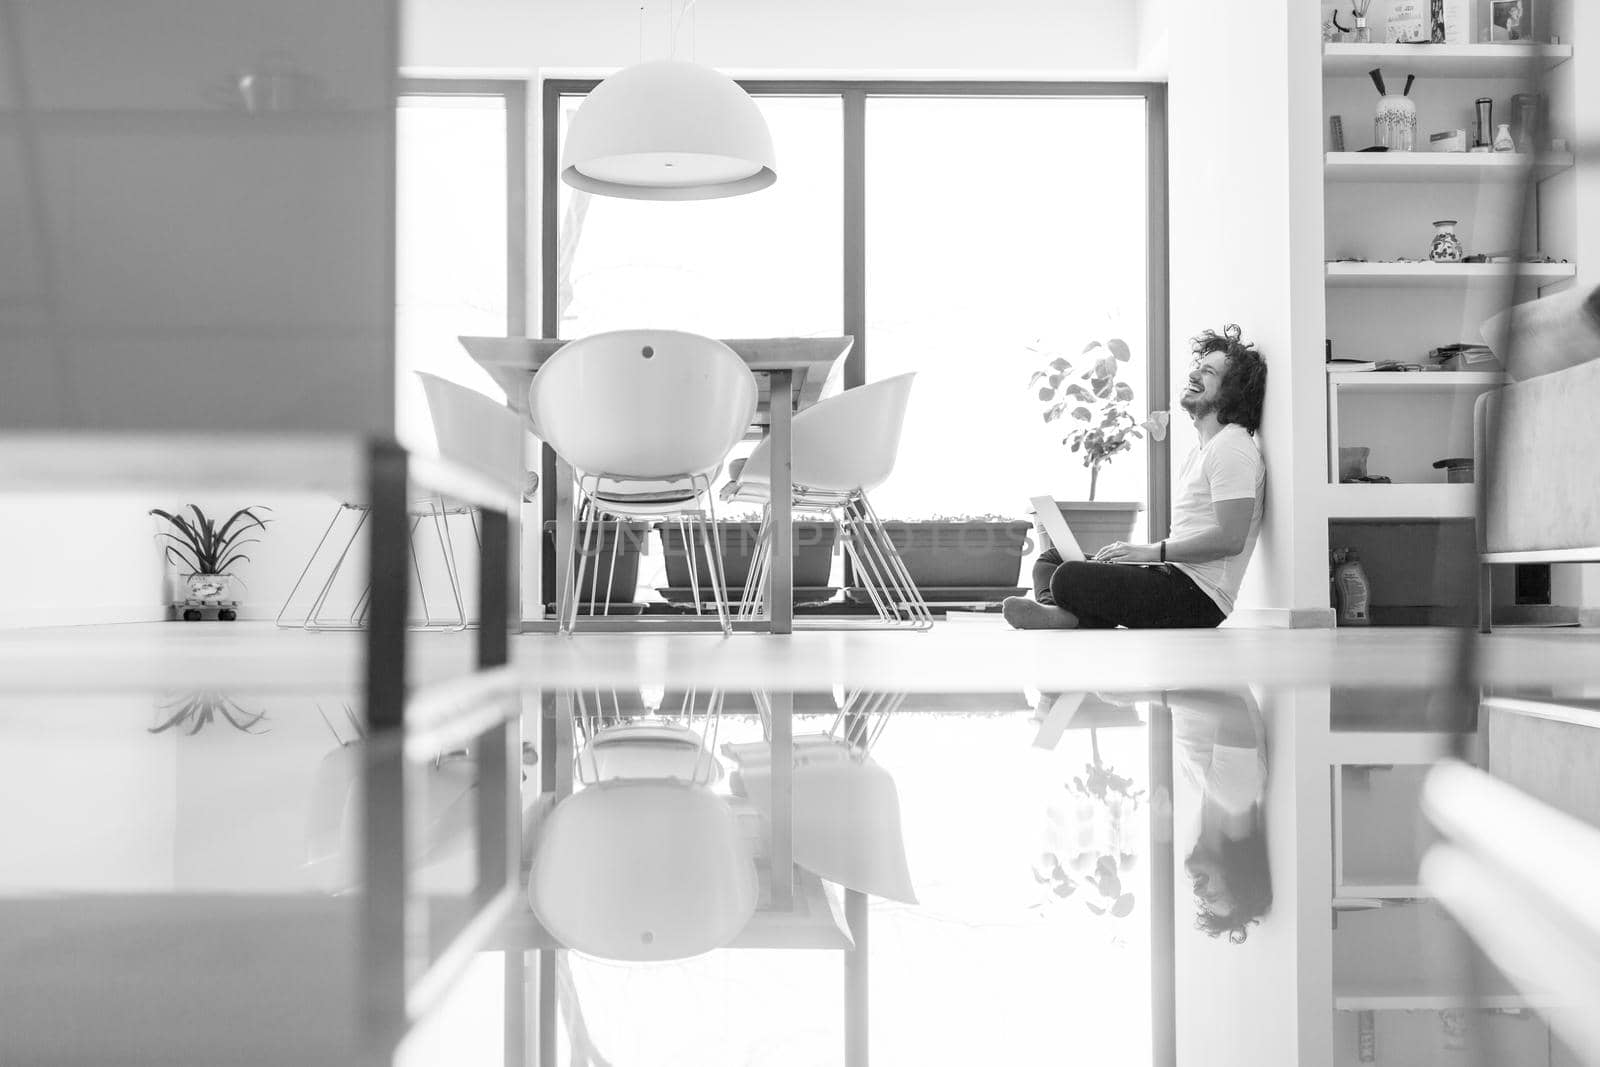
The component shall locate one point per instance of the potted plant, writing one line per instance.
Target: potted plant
(205, 550)
(1087, 393)
(610, 579)
(813, 542)
(967, 559)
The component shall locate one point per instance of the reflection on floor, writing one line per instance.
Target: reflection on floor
(1046, 870)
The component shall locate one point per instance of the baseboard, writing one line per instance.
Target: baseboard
(1589, 616)
(70, 614)
(1281, 619)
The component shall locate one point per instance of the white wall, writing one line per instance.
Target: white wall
(1267, 1000)
(1246, 246)
(1011, 38)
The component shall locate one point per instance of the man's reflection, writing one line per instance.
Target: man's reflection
(1219, 744)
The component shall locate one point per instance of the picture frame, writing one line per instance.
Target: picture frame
(1512, 21)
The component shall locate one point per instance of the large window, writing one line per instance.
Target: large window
(458, 231)
(747, 266)
(958, 231)
(999, 230)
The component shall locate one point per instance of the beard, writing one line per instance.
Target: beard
(1197, 405)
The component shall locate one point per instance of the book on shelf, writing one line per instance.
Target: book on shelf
(1347, 366)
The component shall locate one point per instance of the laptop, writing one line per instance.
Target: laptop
(1049, 516)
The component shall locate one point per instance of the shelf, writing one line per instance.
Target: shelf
(1442, 166)
(1444, 60)
(1419, 501)
(1420, 1001)
(1415, 381)
(1345, 275)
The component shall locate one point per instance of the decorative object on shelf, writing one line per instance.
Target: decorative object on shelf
(1406, 23)
(1436, 31)
(1503, 141)
(1332, 32)
(1360, 34)
(1394, 125)
(1336, 133)
(1353, 462)
(207, 550)
(1457, 470)
(1512, 21)
(1446, 246)
(1525, 124)
(1352, 593)
(1484, 106)
(1448, 141)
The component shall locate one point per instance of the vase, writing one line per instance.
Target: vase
(1502, 138)
(1446, 247)
(1394, 126)
(209, 587)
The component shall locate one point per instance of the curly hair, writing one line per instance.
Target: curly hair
(1249, 887)
(1244, 383)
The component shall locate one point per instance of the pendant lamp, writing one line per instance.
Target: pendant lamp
(668, 130)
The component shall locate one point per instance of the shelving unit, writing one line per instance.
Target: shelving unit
(1444, 60)
(1425, 166)
(1383, 304)
(1350, 275)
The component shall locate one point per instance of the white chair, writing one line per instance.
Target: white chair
(470, 429)
(843, 447)
(647, 866)
(646, 419)
(846, 809)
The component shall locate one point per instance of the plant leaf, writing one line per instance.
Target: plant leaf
(1047, 393)
(1124, 391)
(1119, 348)
(1082, 414)
(1090, 347)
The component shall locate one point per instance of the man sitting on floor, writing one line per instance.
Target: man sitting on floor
(1191, 578)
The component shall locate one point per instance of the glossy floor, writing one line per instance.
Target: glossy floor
(1091, 847)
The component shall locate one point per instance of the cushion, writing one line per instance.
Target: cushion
(1544, 336)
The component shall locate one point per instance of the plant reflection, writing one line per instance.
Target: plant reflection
(194, 711)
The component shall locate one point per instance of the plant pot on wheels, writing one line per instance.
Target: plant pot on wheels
(813, 560)
(606, 587)
(1097, 523)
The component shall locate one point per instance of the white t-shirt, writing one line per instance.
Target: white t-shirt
(1227, 467)
(1231, 776)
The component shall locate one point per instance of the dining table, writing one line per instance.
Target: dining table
(792, 373)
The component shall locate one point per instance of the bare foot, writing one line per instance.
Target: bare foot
(1026, 614)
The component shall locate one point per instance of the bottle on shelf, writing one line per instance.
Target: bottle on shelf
(1352, 595)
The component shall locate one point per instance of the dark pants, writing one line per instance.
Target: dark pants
(1105, 595)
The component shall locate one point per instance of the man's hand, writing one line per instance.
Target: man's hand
(1122, 552)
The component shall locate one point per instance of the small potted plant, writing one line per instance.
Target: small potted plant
(203, 551)
(1096, 405)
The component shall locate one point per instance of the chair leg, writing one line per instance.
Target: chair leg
(719, 578)
(687, 530)
(313, 620)
(611, 575)
(916, 605)
(315, 552)
(755, 586)
(900, 601)
(447, 552)
(576, 570)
